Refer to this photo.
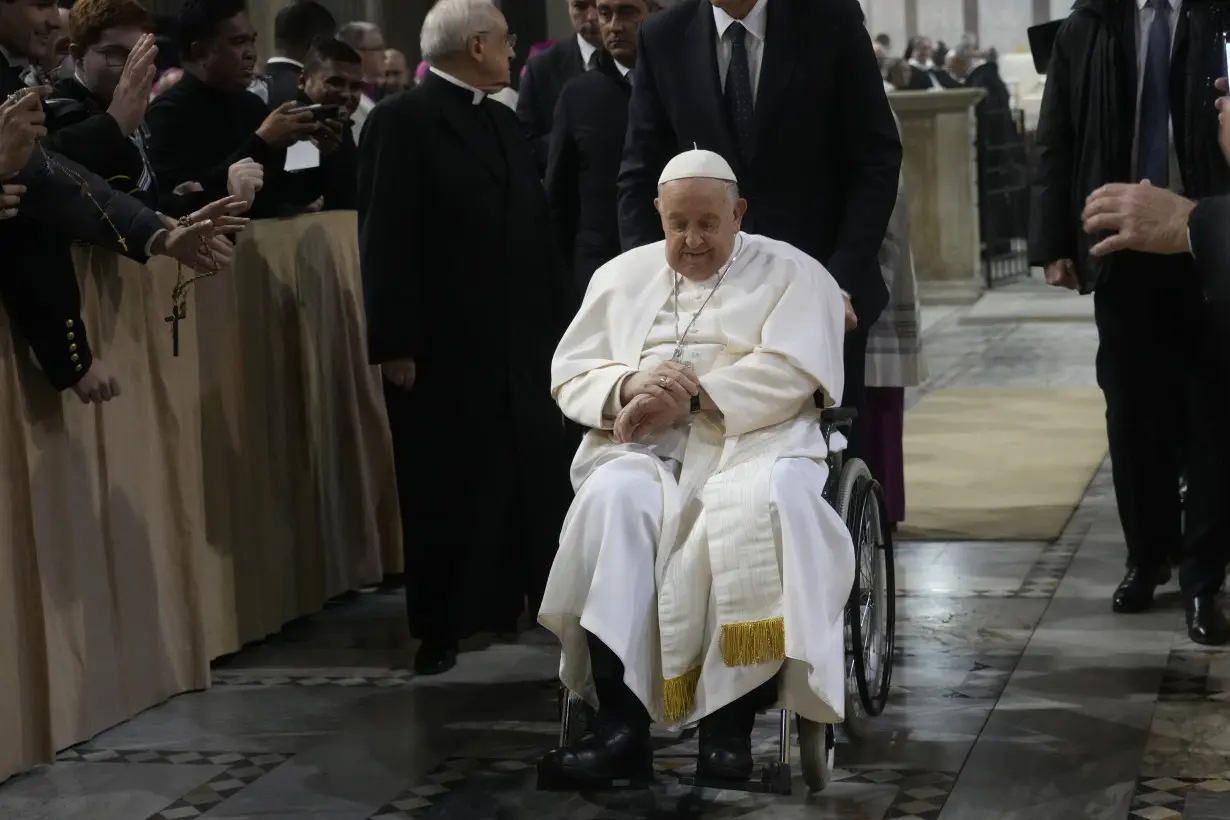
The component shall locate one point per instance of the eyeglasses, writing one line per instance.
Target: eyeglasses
(510, 40)
(115, 56)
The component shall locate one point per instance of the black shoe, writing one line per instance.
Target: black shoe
(726, 743)
(1206, 623)
(1135, 592)
(613, 754)
(435, 658)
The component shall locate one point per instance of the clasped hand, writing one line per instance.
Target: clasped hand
(655, 400)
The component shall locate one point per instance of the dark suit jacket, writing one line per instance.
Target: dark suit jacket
(545, 76)
(38, 282)
(79, 127)
(282, 80)
(827, 158)
(587, 143)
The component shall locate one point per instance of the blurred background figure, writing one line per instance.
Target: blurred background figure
(396, 72)
(295, 29)
(898, 75)
(546, 74)
(368, 40)
(919, 54)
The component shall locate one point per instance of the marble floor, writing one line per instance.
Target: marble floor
(1017, 694)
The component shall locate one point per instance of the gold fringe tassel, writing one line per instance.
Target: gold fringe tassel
(753, 642)
(679, 695)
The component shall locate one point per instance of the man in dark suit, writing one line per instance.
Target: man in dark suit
(1127, 100)
(466, 300)
(789, 92)
(297, 26)
(333, 76)
(547, 73)
(587, 144)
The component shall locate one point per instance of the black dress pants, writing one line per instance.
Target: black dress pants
(855, 393)
(1164, 402)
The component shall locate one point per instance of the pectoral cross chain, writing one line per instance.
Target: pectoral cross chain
(177, 312)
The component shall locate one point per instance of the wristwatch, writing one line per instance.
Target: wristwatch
(694, 407)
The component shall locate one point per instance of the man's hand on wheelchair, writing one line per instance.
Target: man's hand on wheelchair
(851, 316)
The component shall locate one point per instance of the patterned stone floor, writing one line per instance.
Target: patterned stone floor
(1017, 694)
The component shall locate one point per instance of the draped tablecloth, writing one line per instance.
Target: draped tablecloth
(226, 492)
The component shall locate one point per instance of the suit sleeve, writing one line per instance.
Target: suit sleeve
(1052, 231)
(530, 106)
(93, 141)
(1209, 232)
(54, 198)
(648, 146)
(562, 180)
(871, 154)
(174, 152)
(390, 194)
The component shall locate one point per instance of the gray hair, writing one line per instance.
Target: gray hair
(450, 24)
(353, 34)
(732, 189)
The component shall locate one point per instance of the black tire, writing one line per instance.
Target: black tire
(860, 502)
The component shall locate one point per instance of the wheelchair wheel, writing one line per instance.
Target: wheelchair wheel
(816, 746)
(871, 611)
(572, 717)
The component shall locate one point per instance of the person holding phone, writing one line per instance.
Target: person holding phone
(1109, 120)
(209, 120)
(330, 87)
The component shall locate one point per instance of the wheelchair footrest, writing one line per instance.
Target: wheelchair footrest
(774, 779)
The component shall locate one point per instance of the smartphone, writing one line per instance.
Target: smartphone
(322, 113)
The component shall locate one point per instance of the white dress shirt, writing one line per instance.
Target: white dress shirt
(755, 22)
(587, 52)
(1144, 22)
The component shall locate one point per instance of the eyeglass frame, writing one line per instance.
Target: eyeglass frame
(510, 39)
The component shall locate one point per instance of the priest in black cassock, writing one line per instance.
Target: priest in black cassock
(466, 300)
(209, 120)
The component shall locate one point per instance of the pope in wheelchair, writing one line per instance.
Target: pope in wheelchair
(701, 576)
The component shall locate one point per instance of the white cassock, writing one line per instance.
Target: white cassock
(706, 557)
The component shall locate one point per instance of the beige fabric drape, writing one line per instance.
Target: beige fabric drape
(227, 491)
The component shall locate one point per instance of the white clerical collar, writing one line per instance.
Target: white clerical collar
(623, 69)
(284, 61)
(478, 95)
(754, 22)
(587, 51)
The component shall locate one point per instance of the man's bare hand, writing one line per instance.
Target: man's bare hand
(21, 127)
(672, 376)
(186, 188)
(643, 417)
(98, 385)
(1223, 119)
(289, 123)
(10, 200)
(132, 92)
(244, 181)
(1141, 217)
(330, 137)
(1062, 274)
(201, 245)
(399, 374)
(851, 316)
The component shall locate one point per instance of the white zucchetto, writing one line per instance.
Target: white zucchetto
(697, 164)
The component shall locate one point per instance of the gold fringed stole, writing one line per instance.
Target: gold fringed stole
(753, 642)
(679, 695)
(744, 644)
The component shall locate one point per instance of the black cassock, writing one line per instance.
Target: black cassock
(461, 274)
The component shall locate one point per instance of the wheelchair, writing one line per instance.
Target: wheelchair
(870, 627)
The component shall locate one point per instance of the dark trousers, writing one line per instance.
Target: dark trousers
(1164, 402)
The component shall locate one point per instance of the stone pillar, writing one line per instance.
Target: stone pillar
(938, 131)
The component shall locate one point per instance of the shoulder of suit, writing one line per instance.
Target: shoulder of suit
(586, 84)
(671, 21)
